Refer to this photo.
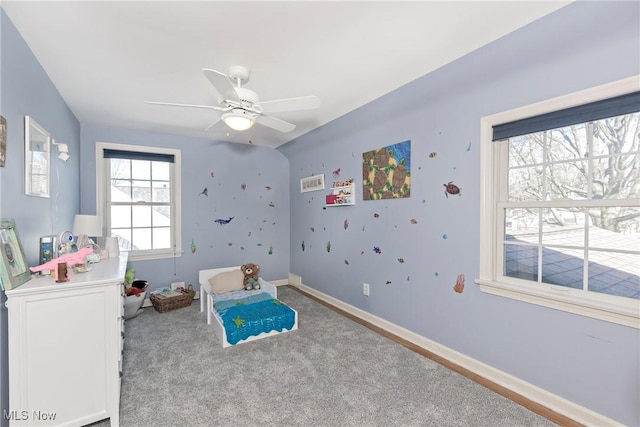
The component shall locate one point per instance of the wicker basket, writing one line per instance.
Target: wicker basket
(163, 305)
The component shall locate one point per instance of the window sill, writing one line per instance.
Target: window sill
(147, 256)
(605, 307)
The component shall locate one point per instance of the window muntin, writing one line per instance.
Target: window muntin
(144, 223)
(140, 198)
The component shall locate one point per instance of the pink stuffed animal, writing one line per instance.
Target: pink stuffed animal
(71, 259)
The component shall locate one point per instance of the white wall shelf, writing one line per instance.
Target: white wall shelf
(342, 194)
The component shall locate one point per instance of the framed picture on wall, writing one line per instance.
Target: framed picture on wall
(37, 145)
(15, 270)
(312, 183)
(3, 140)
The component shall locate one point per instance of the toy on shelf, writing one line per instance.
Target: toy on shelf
(342, 194)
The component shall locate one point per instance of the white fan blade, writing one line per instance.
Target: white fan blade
(290, 104)
(222, 84)
(275, 123)
(211, 125)
(172, 104)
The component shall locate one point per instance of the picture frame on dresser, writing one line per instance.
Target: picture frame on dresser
(15, 270)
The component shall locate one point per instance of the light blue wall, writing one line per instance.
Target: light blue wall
(590, 362)
(27, 90)
(4, 345)
(249, 183)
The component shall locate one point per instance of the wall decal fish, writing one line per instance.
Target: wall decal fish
(205, 192)
(221, 221)
(346, 223)
(329, 246)
(377, 250)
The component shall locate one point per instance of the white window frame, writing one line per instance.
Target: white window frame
(619, 310)
(102, 169)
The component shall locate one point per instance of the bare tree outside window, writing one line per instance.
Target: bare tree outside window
(572, 201)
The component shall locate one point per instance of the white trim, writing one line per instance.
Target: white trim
(565, 299)
(176, 194)
(623, 311)
(158, 254)
(295, 280)
(609, 90)
(529, 391)
(280, 282)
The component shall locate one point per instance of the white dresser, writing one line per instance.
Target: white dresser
(65, 347)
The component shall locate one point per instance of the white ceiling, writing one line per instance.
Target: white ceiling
(106, 58)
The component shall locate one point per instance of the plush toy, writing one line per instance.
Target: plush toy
(250, 272)
(73, 258)
(129, 276)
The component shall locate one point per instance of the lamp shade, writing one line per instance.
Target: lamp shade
(238, 120)
(88, 225)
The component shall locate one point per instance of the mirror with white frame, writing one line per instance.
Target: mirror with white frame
(37, 157)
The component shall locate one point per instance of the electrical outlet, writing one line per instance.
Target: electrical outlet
(365, 289)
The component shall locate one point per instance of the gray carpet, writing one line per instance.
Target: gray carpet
(330, 372)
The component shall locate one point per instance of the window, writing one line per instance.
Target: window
(560, 210)
(139, 198)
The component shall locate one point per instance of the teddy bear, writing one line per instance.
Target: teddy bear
(250, 272)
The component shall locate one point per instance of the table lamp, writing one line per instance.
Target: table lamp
(86, 226)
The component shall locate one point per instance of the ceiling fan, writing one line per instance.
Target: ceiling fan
(241, 108)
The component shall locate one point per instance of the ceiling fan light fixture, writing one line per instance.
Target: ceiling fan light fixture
(238, 120)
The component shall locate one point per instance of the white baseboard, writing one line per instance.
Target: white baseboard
(536, 394)
(295, 280)
(281, 282)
